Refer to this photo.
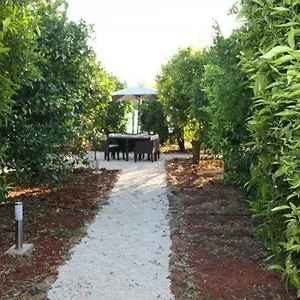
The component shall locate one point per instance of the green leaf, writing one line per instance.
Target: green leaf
(276, 267)
(294, 87)
(260, 83)
(296, 53)
(295, 279)
(259, 2)
(293, 206)
(38, 30)
(281, 171)
(293, 94)
(291, 38)
(4, 50)
(288, 113)
(295, 2)
(283, 59)
(293, 248)
(282, 207)
(275, 69)
(275, 51)
(292, 196)
(289, 24)
(6, 22)
(281, 8)
(272, 85)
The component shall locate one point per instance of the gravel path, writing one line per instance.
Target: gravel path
(125, 255)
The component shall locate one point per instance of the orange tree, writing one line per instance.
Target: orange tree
(18, 33)
(270, 41)
(180, 92)
(230, 105)
(153, 119)
(55, 114)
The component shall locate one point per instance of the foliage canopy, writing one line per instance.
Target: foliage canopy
(180, 92)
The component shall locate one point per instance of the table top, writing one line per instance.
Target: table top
(141, 136)
(129, 136)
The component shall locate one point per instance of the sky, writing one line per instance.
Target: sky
(133, 38)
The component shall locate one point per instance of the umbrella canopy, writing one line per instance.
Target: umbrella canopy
(134, 93)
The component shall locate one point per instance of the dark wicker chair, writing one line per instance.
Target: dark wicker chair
(110, 148)
(148, 147)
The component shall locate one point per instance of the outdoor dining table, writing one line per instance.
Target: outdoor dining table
(127, 141)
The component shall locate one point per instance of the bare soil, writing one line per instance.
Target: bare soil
(55, 216)
(214, 255)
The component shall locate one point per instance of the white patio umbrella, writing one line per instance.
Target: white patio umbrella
(135, 93)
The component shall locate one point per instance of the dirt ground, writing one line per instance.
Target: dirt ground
(55, 216)
(213, 253)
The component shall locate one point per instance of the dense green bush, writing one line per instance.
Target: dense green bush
(113, 116)
(270, 40)
(49, 114)
(18, 33)
(180, 92)
(257, 127)
(55, 93)
(230, 102)
(153, 119)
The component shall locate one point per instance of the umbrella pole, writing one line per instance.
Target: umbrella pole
(133, 121)
(138, 116)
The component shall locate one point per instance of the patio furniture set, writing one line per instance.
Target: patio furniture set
(139, 144)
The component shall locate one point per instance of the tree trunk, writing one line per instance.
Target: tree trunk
(196, 151)
(197, 145)
(179, 138)
(181, 145)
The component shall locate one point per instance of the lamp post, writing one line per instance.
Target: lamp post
(19, 224)
(19, 248)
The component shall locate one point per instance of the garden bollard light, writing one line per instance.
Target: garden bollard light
(19, 248)
(19, 224)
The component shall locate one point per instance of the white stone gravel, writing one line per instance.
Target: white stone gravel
(125, 255)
